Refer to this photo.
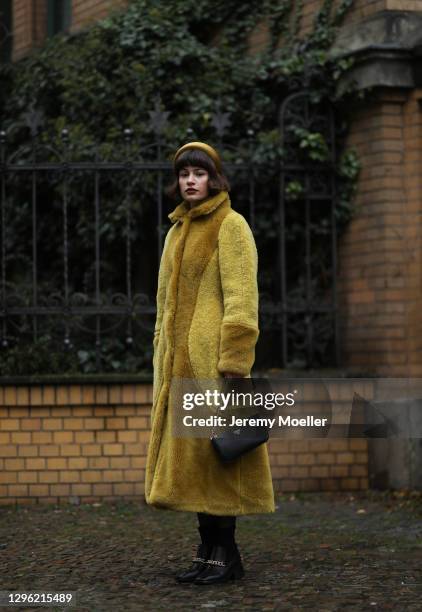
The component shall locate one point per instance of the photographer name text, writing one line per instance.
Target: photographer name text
(283, 421)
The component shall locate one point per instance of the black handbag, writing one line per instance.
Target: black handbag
(235, 441)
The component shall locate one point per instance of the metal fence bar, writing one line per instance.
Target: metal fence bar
(34, 245)
(308, 315)
(160, 204)
(282, 267)
(102, 166)
(334, 298)
(128, 201)
(3, 239)
(97, 266)
(251, 192)
(66, 259)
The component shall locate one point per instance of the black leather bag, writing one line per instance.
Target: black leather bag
(234, 442)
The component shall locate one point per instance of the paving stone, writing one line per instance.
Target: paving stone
(319, 551)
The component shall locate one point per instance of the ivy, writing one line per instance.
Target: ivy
(193, 54)
(313, 142)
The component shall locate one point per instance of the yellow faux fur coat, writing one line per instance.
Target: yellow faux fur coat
(207, 324)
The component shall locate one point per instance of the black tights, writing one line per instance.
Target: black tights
(210, 520)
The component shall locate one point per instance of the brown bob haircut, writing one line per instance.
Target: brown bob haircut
(195, 157)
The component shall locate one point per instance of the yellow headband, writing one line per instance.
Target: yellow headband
(202, 146)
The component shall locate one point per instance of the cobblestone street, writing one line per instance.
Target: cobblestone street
(319, 551)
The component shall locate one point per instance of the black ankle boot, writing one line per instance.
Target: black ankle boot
(224, 563)
(202, 554)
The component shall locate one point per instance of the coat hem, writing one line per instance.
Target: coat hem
(193, 506)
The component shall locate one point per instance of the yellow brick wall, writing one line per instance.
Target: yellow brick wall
(90, 442)
(87, 441)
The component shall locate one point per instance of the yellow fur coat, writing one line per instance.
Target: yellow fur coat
(207, 324)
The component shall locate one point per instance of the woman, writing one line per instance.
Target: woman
(206, 328)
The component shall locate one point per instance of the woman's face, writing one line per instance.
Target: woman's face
(193, 184)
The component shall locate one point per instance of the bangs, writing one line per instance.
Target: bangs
(195, 157)
(217, 181)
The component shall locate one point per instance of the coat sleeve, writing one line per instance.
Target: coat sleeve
(238, 262)
(163, 275)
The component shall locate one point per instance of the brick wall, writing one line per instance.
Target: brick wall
(86, 441)
(21, 36)
(30, 20)
(59, 442)
(85, 12)
(319, 464)
(360, 10)
(29, 26)
(380, 255)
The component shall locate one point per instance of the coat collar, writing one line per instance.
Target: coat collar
(207, 206)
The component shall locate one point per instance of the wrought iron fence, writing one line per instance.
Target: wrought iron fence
(308, 303)
(5, 31)
(91, 282)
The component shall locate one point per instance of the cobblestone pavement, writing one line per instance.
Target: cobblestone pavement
(319, 551)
